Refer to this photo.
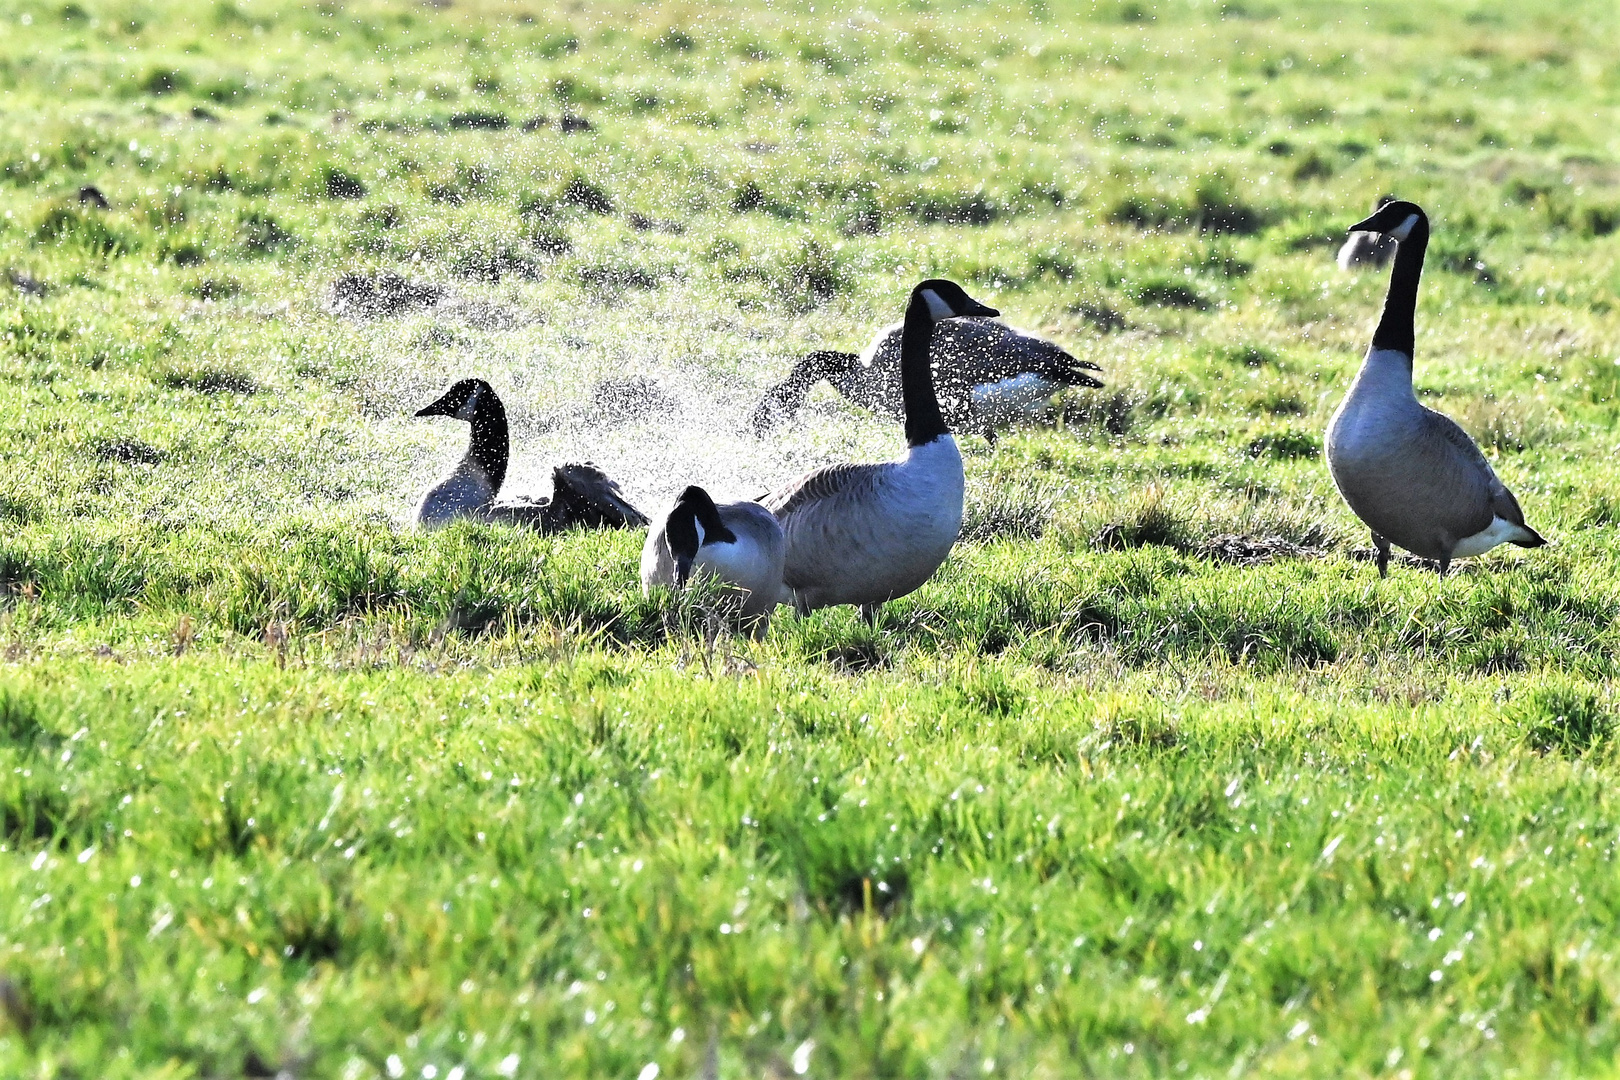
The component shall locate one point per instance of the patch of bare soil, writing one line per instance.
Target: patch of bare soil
(1243, 550)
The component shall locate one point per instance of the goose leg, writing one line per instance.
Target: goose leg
(1382, 556)
(1445, 564)
(869, 612)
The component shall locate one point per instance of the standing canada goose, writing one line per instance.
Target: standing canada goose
(1411, 474)
(989, 376)
(581, 494)
(866, 534)
(1367, 250)
(739, 543)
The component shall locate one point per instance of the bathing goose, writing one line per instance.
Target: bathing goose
(581, 494)
(988, 376)
(1411, 474)
(866, 534)
(739, 543)
(1367, 250)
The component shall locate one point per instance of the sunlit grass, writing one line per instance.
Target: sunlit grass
(1156, 777)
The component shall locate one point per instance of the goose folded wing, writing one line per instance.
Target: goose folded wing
(582, 496)
(1503, 504)
(985, 351)
(1050, 360)
(586, 492)
(833, 484)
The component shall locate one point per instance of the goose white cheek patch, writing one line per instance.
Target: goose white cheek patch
(1404, 229)
(937, 307)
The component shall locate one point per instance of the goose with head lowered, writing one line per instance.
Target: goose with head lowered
(988, 377)
(581, 494)
(741, 544)
(866, 534)
(1411, 474)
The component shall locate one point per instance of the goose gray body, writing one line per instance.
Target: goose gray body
(750, 561)
(987, 376)
(1408, 472)
(1411, 474)
(866, 534)
(465, 493)
(869, 533)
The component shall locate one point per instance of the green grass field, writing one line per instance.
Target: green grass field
(1156, 778)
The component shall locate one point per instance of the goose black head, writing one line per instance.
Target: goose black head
(1395, 218)
(694, 522)
(464, 400)
(946, 300)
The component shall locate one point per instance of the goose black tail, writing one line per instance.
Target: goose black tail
(1534, 540)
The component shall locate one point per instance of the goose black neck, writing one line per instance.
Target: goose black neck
(1395, 327)
(707, 515)
(490, 444)
(790, 393)
(924, 422)
(680, 532)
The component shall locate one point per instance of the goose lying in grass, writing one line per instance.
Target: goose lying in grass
(739, 543)
(988, 377)
(866, 534)
(582, 496)
(1411, 474)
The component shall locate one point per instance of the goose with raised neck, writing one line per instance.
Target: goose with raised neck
(869, 533)
(582, 495)
(1412, 476)
(470, 488)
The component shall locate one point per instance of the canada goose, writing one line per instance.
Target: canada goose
(866, 534)
(581, 494)
(1411, 474)
(989, 376)
(740, 543)
(1367, 250)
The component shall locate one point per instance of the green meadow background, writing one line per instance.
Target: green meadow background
(1155, 778)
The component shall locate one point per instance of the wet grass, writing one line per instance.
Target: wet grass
(1155, 778)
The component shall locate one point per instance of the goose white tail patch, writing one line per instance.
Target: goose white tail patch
(1500, 531)
(1027, 394)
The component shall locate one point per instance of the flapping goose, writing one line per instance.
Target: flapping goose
(866, 534)
(1367, 250)
(581, 494)
(988, 377)
(739, 543)
(1411, 474)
